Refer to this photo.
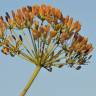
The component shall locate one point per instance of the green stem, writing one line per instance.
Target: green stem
(36, 71)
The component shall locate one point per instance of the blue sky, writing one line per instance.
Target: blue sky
(15, 73)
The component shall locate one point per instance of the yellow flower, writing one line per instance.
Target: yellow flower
(12, 23)
(5, 50)
(36, 24)
(57, 27)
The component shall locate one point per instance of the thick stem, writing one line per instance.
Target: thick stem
(36, 71)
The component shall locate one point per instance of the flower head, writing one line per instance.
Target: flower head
(43, 36)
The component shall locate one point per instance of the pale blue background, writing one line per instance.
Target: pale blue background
(15, 73)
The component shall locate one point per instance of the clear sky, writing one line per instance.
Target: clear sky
(15, 72)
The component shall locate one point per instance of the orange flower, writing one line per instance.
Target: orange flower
(49, 19)
(78, 27)
(89, 48)
(49, 9)
(5, 50)
(24, 11)
(39, 33)
(81, 49)
(53, 33)
(79, 38)
(66, 19)
(42, 9)
(69, 23)
(75, 26)
(34, 32)
(46, 28)
(35, 10)
(43, 6)
(20, 15)
(2, 27)
(57, 13)
(26, 14)
(80, 45)
(63, 36)
(77, 46)
(17, 18)
(31, 16)
(84, 41)
(1, 34)
(5, 43)
(36, 24)
(41, 12)
(57, 27)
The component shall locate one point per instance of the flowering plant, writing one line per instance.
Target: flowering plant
(44, 37)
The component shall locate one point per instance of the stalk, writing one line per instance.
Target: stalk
(36, 71)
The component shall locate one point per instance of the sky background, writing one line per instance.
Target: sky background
(15, 72)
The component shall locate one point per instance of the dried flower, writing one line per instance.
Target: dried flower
(44, 37)
(2, 27)
(5, 50)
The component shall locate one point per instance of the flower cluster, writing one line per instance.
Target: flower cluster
(23, 17)
(2, 27)
(43, 36)
(78, 50)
